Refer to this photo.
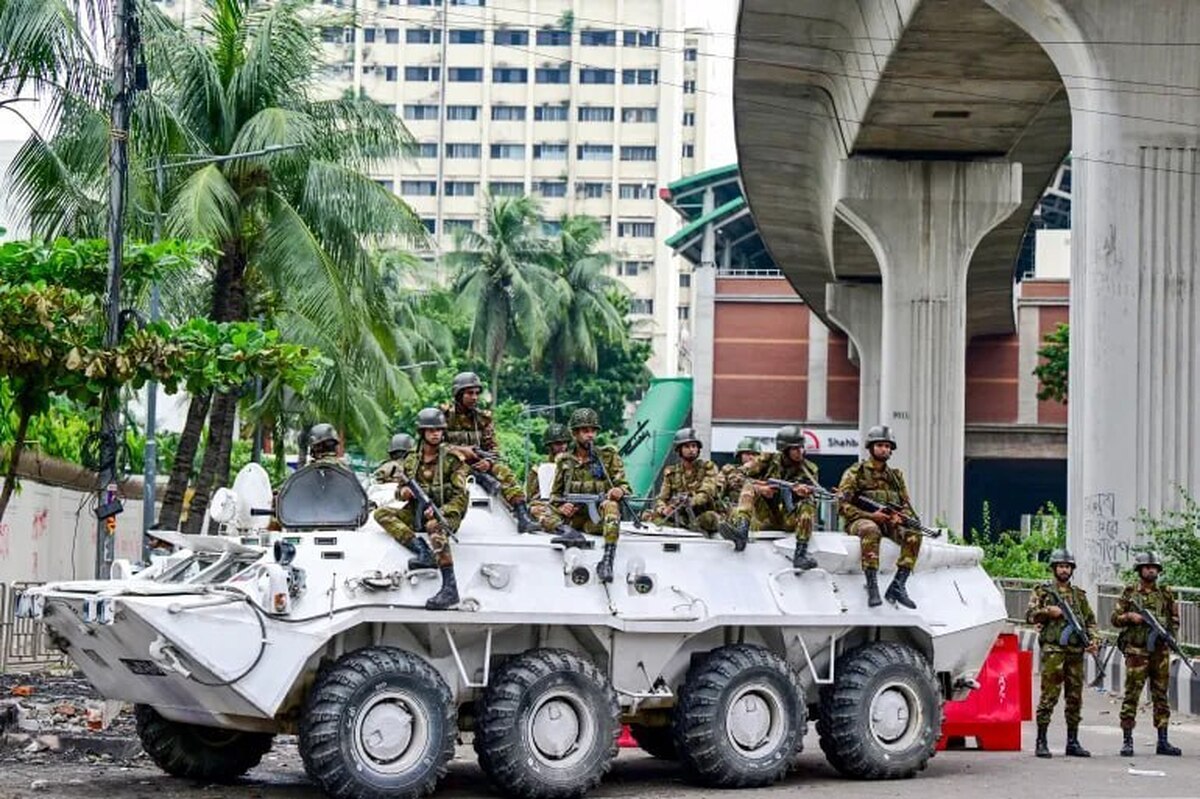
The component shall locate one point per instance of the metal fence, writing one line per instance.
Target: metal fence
(23, 642)
(1016, 600)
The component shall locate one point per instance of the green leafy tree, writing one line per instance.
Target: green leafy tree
(1008, 553)
(1052, 369)
(1175, 536)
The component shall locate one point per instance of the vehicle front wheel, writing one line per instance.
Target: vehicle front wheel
(207, 754)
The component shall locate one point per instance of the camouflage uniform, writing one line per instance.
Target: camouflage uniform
(770, 514)
(573, 475)
(1142, 665)
(476, 429)
(1062, 666)
(445, 481)
(391, 471)
(700, 482)
(731, 481)
(883, 484)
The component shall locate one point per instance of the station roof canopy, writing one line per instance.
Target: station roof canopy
(735, 227)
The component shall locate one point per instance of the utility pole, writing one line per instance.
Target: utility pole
(150, 455)
(118, 171)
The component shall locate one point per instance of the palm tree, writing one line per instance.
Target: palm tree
(297, 222)
(504, 281)
(590, 310)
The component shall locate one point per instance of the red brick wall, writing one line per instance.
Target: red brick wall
(992, 379)
(841, 399)
(760, 355)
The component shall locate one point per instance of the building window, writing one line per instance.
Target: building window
(386, 184)
(551, 188)
(416, 36)
(510, 75)
(475, 3)
(427, 149)
(369, 36)
(630, 268)
(598, 38)
(594, 152)
(593, 190)
(597, 113)
(418, 188)
(461, 36)
(550, 152)
(640, 38)
(689, 119)
(510, 152)
(548, 37)
(462, 113)
(640, 77)
(635, 230)
(515, 38)
(639, 114)
(422, 74)
(550, 113)
(636, 191)
(424, 2)
(684, 312)
(639, 153)
(591, 75)
(460, 188)
(332, 35)
(430, 225)
(391, 74)
(689, 87)
(508, 113)
(640, 305)
(551, 227)
(462, 150)
(465, 75)
(690, 53)
(506, 188)
(685, 280)
(417, 113)
(453, 225)
(559, 74)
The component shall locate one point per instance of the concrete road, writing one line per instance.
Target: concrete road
(951, 775)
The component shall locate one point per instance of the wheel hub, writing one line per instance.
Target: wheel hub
(556, 727)
(749, 721)
(890, 715)
(387, 731)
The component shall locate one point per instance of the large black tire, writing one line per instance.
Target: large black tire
(655, 741)
(381, 723)
(206, 754)
(882, 717)
(547, 726)
(738, 718)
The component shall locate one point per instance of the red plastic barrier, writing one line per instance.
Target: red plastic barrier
(626, 740)
(1025, 661)
(992, 712)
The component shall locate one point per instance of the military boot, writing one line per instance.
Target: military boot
(737, 531)
(801, 559)
(569, 537)
(1040, 747)
(424, 555)
(873, 599)
(448, 596)
(1074, 748)
(525, 522)
(1164, 746)
(1127, 744)
(896, 591)
(604, 569)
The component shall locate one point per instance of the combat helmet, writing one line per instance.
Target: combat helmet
(556, 433)
(1148, 558)
(748, 444)
(584, 417)
(1062, 555)
(879, 433)
(686, 435)
(401, 443)
(431, 419)
(790, 435)
(322, 434)
(464, 381)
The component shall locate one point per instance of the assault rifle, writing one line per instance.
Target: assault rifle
(422, 501)
(592, 503)
(635, 439)
(907, 519)
(1160, 633)
(473, 455)
(787, 491)
(682, 503)
(1102, 665)
(1074, 627)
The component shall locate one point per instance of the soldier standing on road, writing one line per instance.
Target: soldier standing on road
(588, 469)
(733, 478)
(874, 479)
(1143, 663)
(392, 470)
(442, 475)
(692, 482)
(555, 439)
(761, 508)
(471, 427)
(1062, 662)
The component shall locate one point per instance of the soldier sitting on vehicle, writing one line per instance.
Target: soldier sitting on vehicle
(392, 470)
(442, 476)
(586, 469)
(324, 443)
(762, 505)
(471, 433)
(733, 476)
(689, 489)
(555, 439)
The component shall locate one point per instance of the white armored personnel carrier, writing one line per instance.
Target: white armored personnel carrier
(714, 657)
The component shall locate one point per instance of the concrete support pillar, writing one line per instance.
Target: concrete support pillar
(1134, 436)
(923, 219)
(857, 308)
(704, 290)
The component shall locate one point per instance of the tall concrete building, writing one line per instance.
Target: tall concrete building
(588, 107)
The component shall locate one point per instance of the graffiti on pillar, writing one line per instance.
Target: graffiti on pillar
(41, 521)
(4, 531)
(1106, 552)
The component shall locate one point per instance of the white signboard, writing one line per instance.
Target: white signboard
(817, 441)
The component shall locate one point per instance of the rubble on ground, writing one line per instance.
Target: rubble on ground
(59, 713)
